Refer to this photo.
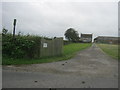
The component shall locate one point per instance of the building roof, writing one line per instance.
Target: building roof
(86, 35)
(106, 37)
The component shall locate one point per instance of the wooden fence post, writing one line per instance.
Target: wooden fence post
(14, 24)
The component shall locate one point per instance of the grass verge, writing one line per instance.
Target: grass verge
(68, 52)
(111, 50)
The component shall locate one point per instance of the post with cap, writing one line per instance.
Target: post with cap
(14, 24)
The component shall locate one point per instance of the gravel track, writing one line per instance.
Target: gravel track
(90, 68)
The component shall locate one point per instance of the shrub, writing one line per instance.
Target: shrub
(20, 47)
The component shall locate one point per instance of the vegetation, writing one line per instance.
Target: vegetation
(66, 42)
(110, 49)
(23, 49)
(68, 52)
(72, 35)
(20, 47)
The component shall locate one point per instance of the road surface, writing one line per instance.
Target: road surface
(90, 68)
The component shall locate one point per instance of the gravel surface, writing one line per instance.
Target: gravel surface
(90, 68)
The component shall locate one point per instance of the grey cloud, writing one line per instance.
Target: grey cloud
(0, 17)
(52, 19)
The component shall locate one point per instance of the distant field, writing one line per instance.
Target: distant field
(68, 52)
(111, 50)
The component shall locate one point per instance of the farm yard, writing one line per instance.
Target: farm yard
(59, 45)
(80, 64)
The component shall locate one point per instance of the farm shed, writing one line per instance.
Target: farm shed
(86, 38)
(106, 39)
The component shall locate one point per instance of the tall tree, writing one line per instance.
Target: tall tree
(72, 35)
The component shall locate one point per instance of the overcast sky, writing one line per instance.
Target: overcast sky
(54, 18)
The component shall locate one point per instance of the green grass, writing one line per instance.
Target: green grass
(111, 50)
(69, 51)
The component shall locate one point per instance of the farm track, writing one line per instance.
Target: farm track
(90, 68)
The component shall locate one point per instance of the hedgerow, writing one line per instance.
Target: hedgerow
(22, 46)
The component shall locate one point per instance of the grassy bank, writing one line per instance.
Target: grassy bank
(68, 52)
(110, 49)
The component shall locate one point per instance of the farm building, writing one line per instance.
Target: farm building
(86, 38)
(106, 39)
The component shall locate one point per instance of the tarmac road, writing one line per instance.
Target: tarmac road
(90, 68)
